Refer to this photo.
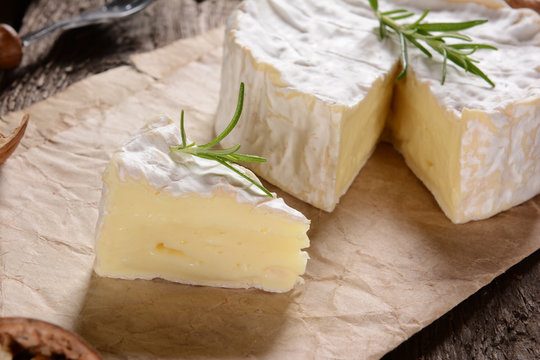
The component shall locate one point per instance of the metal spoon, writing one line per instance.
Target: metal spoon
(11, 45)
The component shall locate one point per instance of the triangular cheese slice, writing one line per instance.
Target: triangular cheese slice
(178, 217)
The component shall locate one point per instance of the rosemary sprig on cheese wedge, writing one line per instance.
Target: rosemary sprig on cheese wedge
(184, 217)
(418, 31)
(222, 156)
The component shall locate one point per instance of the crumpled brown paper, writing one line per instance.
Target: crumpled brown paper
(384, 264)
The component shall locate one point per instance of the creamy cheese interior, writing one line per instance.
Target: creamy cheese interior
(195, 239)
(361, 127)
(418, 123)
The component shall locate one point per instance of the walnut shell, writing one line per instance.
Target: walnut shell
(42, 339)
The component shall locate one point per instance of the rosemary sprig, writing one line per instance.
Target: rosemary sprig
(417, 31)
(222, 156)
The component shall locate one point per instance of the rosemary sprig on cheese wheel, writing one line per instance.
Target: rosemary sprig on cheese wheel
(418, 31)
(222, 156)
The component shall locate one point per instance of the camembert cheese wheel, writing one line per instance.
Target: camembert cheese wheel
(321, 89)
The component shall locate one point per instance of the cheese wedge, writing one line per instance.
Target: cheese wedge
(320, 85)
(178, 217)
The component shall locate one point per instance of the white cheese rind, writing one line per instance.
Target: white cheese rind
(146, 155)
(500, 165)
(301, 67)
(191, 220)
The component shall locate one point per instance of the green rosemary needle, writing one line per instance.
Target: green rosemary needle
(458, 53)
(222, 156)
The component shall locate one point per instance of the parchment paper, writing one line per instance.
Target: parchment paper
(384, 264)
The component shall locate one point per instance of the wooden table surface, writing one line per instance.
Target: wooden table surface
(501, 321)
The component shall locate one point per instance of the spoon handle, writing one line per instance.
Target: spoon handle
(11, 49)
(29, 38)
(92, 17)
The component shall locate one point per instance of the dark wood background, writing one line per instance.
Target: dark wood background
(501, 321)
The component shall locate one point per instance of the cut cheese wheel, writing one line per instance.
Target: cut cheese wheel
(321, 88)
